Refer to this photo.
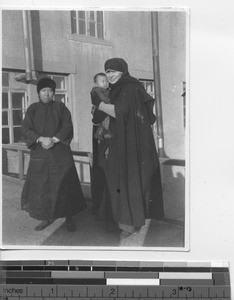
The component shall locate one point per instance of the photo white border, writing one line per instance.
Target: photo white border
(187, 145)
(212, 239)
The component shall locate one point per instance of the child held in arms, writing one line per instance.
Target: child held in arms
(101, 88)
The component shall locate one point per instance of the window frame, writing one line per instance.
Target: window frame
(64, 91)
(10, 110)
(144, 83)
(75, 15)
(152, 94)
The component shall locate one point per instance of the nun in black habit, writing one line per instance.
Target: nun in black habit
(129, 181)
(52, 188)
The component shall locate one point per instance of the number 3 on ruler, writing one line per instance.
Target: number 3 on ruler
(174, 291)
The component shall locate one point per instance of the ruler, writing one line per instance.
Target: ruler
(91, 280)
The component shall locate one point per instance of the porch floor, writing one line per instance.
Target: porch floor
(18, 227)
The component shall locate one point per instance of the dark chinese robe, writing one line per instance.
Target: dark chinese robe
(131, 189)
(52, 188)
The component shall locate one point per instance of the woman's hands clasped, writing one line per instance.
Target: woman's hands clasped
(46, 142)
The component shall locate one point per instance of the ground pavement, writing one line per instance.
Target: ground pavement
(18, 227)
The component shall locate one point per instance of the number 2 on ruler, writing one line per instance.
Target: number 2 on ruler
(112, 292)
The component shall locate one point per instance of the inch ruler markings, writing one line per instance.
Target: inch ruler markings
(69, 280)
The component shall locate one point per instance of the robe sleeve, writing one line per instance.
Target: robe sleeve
(29, 135)
(102, 93)
(65, 133)
(122, 107)
(149, 104)
(149, 108)
(98, 116)
(131, 101)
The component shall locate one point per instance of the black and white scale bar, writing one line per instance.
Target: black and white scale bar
(129, 292)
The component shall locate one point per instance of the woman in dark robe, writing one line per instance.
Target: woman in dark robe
(52, 188)
(131, 190)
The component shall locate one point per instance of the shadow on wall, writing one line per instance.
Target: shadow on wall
(173, 181)
(173, 223)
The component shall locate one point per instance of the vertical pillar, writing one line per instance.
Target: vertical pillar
(27, 50)
(21, 164)
(157, 83)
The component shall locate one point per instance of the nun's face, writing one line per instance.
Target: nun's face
(113, 76)
(46, 95)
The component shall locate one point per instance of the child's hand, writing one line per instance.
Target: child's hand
(93, 109)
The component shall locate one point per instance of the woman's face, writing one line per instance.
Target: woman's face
(46, 95)
(113, 76)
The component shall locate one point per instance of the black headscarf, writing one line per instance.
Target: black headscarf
(117, 64)
(46, 83)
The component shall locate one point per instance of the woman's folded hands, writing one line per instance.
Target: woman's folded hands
(46, 142)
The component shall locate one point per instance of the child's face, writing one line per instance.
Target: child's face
(102, 82)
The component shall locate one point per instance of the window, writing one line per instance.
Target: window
(13, 111)
(149, 86)
(61, 88)
(5, 79)
(89, 23)
(14, 105)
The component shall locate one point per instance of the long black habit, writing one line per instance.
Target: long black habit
(52, 188)
(131, 190)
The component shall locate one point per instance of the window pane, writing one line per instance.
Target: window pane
(5, 118)
(5, 136)
(5, 79)
(149, 87)
(81, 14)
(100, 31)
(82, 27)
(73, 22)
(60, 98)
(17, 134)
(17, 117)
(92, 29)
(60, 82)
(91, 15)
(100, 17)
(17, 100)
(4, 100)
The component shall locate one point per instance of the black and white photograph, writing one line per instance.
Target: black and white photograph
(95, 129)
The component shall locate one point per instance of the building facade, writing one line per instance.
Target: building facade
(72, 46)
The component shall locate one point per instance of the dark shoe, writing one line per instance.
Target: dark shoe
(44, 224)
(70, 225)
